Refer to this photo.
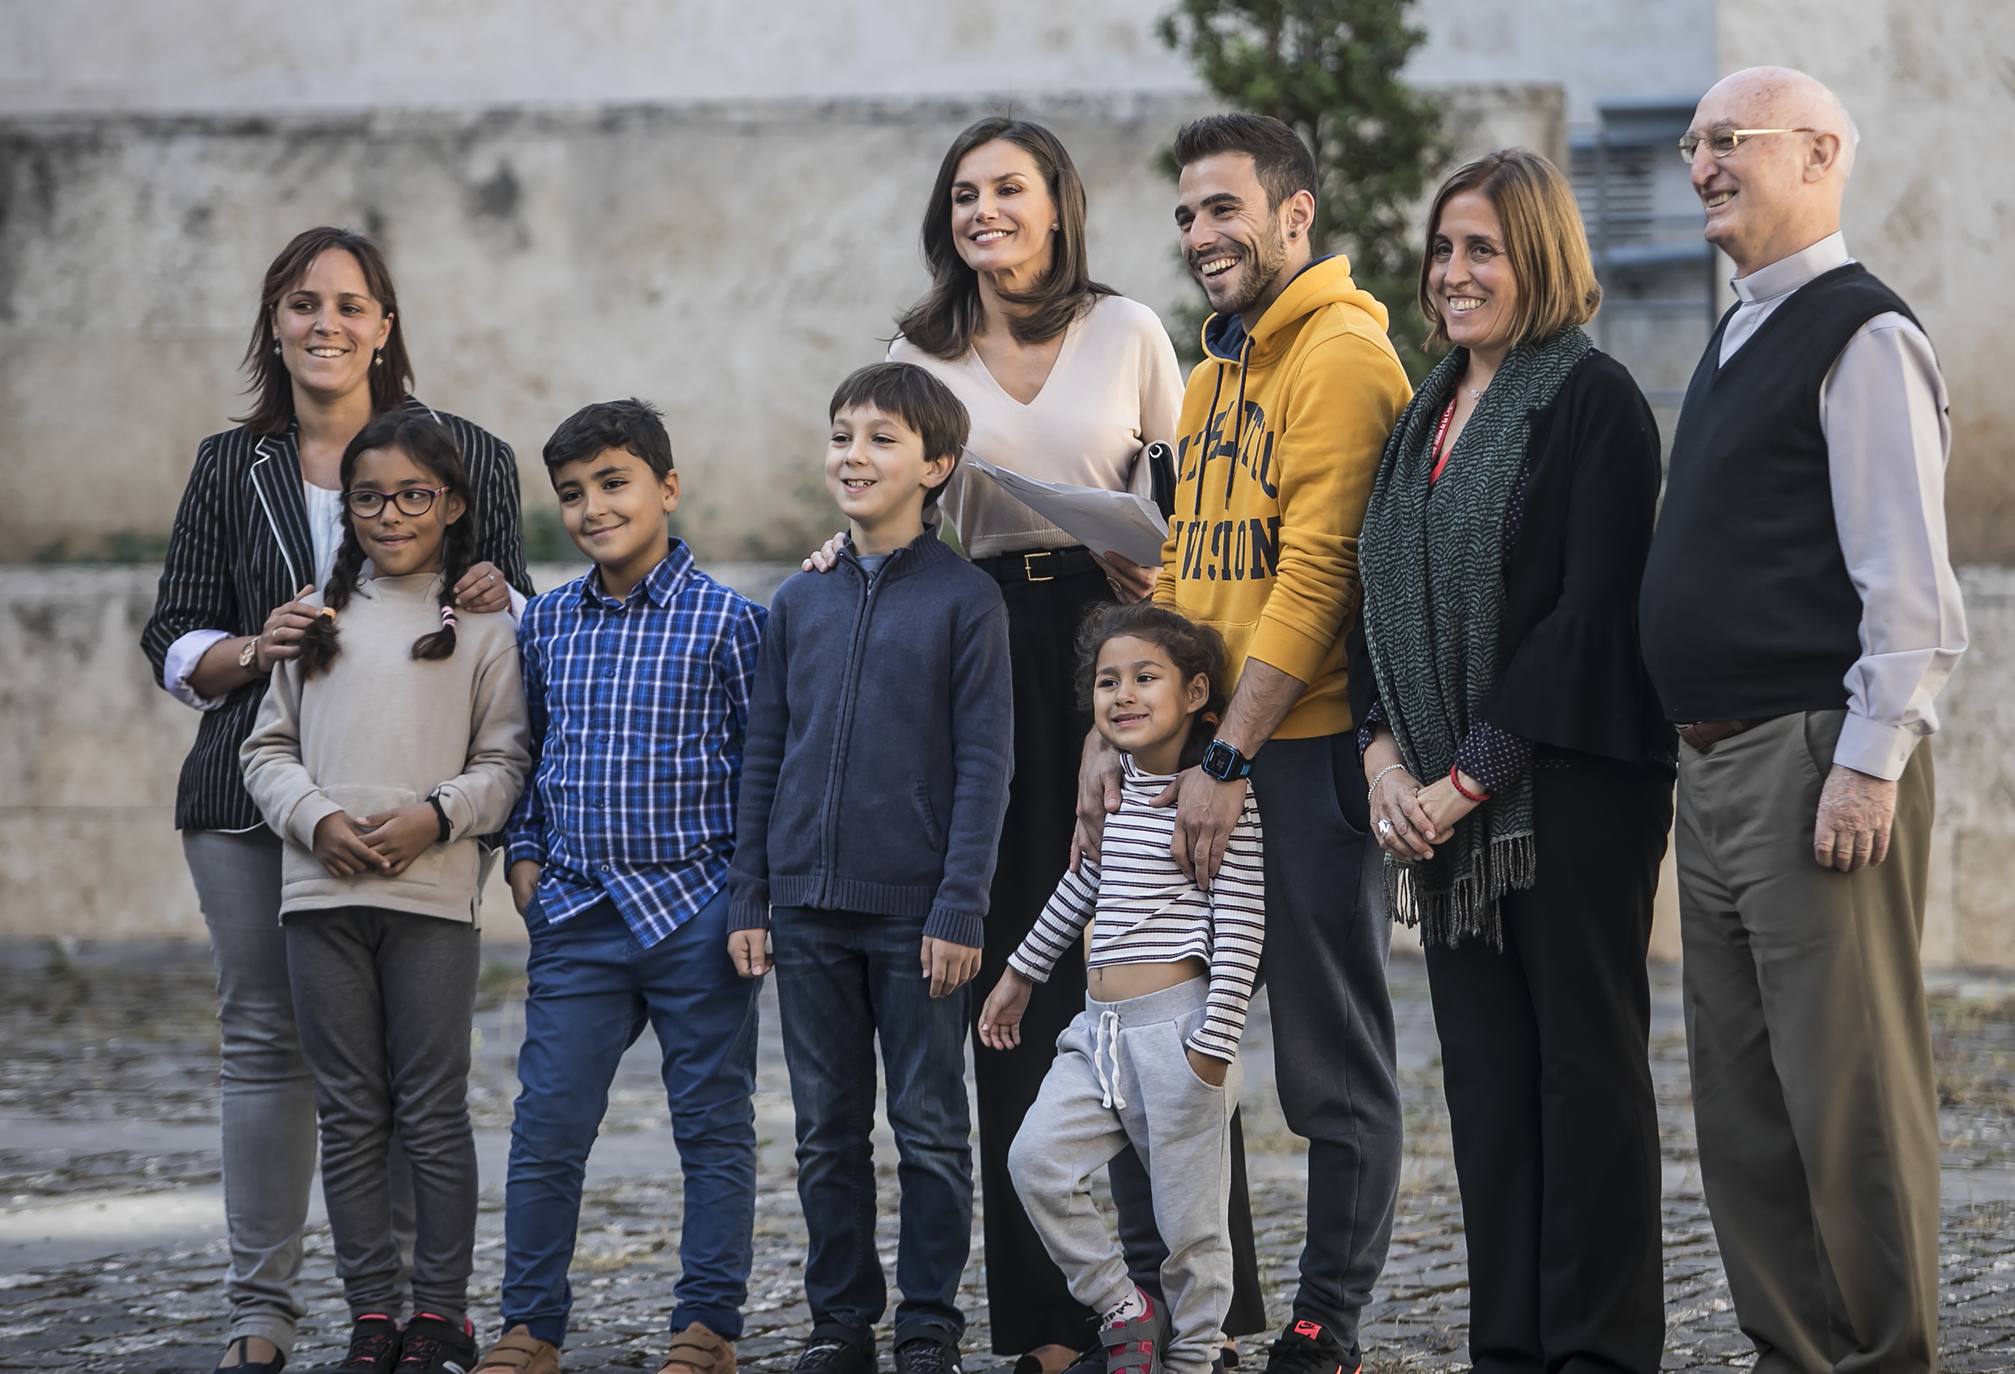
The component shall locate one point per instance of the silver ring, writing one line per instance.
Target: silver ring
(1385, 828)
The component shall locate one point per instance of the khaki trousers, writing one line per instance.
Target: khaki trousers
(1811, 1057)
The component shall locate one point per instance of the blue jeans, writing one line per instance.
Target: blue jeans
(842, 978)
(592, 990)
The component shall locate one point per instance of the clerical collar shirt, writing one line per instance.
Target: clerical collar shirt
(1882, 409)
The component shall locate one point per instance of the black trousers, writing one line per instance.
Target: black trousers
(1027, 1301)
(1545, 1065)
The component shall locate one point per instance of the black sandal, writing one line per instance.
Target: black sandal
(245, 1366)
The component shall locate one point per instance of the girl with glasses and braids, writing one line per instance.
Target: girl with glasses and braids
(381, 753)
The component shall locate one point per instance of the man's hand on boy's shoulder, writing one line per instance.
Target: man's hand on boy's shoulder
(749, 952)
(949, 966)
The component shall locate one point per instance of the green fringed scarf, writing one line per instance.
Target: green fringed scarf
(1433, 570)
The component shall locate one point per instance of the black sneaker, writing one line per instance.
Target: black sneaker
(1307, 1348)
(435, 1345)
(835, 1349)
(374, 1345)
(927, 1355)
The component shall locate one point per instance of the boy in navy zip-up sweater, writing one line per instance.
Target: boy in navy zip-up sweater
(874, 783)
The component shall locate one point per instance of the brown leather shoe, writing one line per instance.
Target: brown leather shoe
(519, 1352)
(697, 1350)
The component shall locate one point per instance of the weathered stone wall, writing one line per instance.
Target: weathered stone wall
(181, 56)
(92, 746)
(730, 261)
(92, 749)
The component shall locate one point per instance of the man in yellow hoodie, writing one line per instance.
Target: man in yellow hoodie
(1280, 435)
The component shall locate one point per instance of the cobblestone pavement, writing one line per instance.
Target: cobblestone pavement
(111, 1245)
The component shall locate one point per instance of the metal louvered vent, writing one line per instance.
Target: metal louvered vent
(1643, 220)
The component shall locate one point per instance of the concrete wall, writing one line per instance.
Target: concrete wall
(1932, 204)
(729, 261)
(218, 56)
(91, 753)
(89, 760)
(99, 56)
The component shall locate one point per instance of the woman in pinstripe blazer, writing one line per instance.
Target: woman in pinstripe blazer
(259, 525)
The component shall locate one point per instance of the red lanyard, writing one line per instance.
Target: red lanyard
(1440, 433)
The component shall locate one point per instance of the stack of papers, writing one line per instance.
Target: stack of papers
(1103, 521)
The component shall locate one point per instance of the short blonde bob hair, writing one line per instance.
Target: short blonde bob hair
(1543, 238)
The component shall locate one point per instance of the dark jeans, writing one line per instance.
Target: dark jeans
(592, 991)
(844, 978)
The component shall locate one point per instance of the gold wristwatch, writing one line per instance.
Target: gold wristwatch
(248, 657)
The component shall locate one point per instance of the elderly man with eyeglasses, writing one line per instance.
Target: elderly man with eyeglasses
(1799, 615)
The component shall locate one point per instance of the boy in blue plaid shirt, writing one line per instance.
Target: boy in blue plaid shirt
(637, 681)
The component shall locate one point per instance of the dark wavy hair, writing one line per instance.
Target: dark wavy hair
(428, 443)
(267, 379)
(1191, 647)
(942, 323)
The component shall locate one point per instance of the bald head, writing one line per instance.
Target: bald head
(1779, 191)
(1786, 98)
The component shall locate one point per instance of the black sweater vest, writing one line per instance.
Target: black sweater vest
(1747, 609)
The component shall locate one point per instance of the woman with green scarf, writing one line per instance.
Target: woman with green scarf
(1520, 770)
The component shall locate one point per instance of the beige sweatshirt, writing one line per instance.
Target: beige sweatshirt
(381, 729)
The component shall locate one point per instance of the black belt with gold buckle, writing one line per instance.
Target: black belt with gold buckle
(1037, 565)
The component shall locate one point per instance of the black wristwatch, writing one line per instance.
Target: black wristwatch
(441, 812)
(1225, 763)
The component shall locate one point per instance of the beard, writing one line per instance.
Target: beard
(1264, 261)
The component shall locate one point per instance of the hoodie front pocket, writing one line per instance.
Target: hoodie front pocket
(934, 830)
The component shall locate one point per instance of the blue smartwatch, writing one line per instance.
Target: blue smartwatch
(1225, 763)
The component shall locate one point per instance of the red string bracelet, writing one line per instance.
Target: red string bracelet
(1455, 781)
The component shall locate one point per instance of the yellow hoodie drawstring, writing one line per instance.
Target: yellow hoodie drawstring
(1203, 459)
(1238, 424)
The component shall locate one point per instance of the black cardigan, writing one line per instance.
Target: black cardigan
(1570, 674)
(241, 546)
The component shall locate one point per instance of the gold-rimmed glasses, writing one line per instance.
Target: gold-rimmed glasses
(1722, 142)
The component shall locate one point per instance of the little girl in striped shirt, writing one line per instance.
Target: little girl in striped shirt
(1153, 1058)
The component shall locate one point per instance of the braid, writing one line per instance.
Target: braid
(318, 641)
(458, 553)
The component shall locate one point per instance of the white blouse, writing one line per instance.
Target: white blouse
(1114, 389)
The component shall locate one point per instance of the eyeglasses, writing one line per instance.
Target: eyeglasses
(366, 504)
(1722, 142)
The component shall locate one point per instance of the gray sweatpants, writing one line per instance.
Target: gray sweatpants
(384, 1001)
(1121, 1076)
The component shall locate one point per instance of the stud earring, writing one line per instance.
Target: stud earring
(378, 358)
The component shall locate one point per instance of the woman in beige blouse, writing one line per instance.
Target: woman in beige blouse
(1068, 381)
